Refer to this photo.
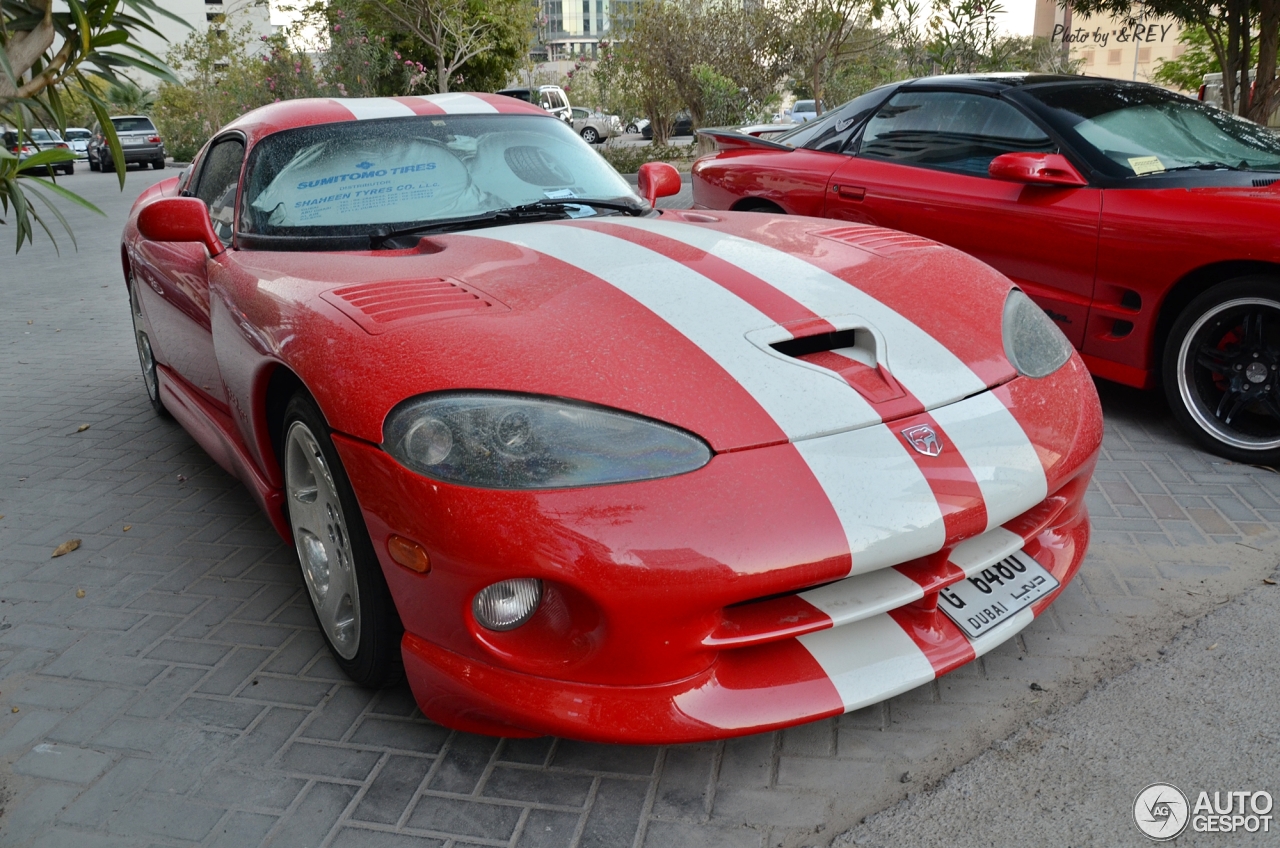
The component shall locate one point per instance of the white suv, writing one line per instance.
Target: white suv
(549, 97)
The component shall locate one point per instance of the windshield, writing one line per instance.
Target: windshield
(42, 135)
(132, 125)
(1130, 130)
(78, 135)
(343, 179)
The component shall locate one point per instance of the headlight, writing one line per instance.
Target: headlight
(1034, 344)
(500, 441)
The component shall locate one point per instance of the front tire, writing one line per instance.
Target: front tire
(1222, 370)
(348, 593)
(631, 128)
(589, 135)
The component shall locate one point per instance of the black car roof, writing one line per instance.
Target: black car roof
(993, 83)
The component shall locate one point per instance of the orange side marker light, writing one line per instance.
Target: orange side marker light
(409, 554)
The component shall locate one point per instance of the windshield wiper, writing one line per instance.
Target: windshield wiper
(549, 203)
(1207, 166)
(537, 210)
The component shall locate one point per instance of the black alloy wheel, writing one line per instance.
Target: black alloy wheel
(1222, 370)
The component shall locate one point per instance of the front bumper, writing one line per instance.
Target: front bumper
(684, 609)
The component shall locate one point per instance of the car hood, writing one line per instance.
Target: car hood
(745, 329)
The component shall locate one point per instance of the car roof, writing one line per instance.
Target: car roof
(997, 82)
(306, 112)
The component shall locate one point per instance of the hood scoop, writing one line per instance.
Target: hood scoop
(856, 356)
(876, 240)
(379, 307)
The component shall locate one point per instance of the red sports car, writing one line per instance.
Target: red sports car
(579, 467)
(1143, 222)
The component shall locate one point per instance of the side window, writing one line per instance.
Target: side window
(217, 185)
(949, 130)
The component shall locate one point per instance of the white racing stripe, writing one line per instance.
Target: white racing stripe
(368, 108)
(976, 553)
(868, 661)
(998, 452)
(863, 596)
(460, 104)
(804, 402)
(920, 362)
(886, 507)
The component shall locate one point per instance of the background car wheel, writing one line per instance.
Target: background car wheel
(632, 128)
(150, 377)
(69, 169)
(1222, 369)
(157, 164)
(589, 135)
(109, 165)
(344, 581)
(93, 164)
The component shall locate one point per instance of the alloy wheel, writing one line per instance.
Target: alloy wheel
(322, 539)
(1228, 373)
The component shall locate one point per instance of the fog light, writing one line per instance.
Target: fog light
(507, 605)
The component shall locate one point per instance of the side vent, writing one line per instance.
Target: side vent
(379, 307)
(876, 240)
(1262, 183)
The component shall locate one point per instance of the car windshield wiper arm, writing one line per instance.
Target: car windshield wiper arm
(550, 203)
(1205, 166)
(547, 208)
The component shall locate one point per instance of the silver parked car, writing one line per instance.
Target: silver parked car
(32, 141)
(139, 140)
(595, 127)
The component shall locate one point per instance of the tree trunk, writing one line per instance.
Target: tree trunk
(1231, 67)
(1266, 87)
(816, 86)
(442, 75)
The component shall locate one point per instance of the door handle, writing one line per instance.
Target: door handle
(850, 192)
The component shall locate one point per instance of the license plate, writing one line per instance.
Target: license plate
(126, 141)
(981, 603)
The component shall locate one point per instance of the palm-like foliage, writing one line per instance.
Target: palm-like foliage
(44, 56)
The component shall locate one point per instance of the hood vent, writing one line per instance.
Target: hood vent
(852, 354)
(378, 307)
(1257, 183)
(876, 240)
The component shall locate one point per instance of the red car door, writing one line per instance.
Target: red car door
(921, 166)
(176, 278)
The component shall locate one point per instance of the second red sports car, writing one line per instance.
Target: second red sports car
(1147, 225)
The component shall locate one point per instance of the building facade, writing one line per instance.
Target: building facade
(1108, 45)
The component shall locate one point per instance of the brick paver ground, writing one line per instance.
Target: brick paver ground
(165, 685)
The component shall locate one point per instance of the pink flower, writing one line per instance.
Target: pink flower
(337, 27)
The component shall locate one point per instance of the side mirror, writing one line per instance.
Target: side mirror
(179, 219)
(1050, 169)
(657, 179)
